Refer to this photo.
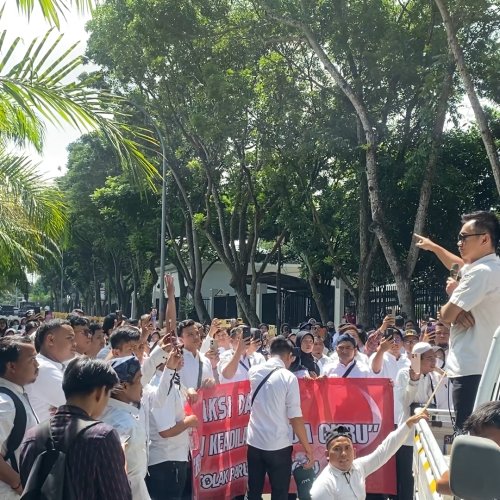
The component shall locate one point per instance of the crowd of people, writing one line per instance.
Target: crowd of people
(116, 397)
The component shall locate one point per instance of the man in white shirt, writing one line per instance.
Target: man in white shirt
(319, 353)
(122, 413)
(55, 343)
(345, 363)
(197, 371)
(18, 367)
(416, 388)
(237, 361)
(390, 356)
(275, 412)
(473, 308)
(345, 475)
(170, 427)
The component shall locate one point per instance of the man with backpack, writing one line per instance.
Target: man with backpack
(73, 456)
(18, 367)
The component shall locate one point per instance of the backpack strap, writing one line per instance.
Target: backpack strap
(18, 430)
(349, 370)
(262, 382)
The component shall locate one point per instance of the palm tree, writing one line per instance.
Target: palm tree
(33, 91)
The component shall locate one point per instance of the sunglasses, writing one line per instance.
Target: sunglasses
(463, 237)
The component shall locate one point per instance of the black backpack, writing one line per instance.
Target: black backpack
(48, 478)
(18, 430)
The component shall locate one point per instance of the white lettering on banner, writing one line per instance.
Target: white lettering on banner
(308, 432)
(244, 404)
(360, 432)
(218, 408)
(218, 479)
(228, 440)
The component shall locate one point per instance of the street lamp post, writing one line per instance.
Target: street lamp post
(62, 282)
(161, 312)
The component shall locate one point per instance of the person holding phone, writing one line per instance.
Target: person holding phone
(414, 386)
(236, 362)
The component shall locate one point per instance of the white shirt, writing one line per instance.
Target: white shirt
(244, 365)
(46, 392)
(478, 292)
(189, 373)
(125, 419)
(391, 365)
(148, 367)
(277, 401)
(332, 483)
(407, 391)
(337, 369)
(322, 362)
(165, 417)
(360, 357)
(7, 415)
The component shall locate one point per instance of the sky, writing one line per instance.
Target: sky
(52, 162)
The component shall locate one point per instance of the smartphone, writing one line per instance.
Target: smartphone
(48, 315)
(415, 362)
(389, 334)
(272, 331)
(246, 332)
(225, 323)
(214, 345)
(256, 334)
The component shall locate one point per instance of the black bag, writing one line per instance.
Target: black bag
(18, 430)
(304, 479)
(48, 479)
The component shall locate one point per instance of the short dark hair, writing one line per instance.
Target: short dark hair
(486, 415)
(10, 349)
(109, 322)
(184, 324)
(30, 325)
(93, 327)
(83, 375)
(486, 222)
(280, 346)
(45, 329)
(76, 320)
(122, 335)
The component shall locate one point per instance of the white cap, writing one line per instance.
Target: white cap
(423, 347)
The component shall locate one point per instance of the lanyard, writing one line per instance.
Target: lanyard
(244, 365)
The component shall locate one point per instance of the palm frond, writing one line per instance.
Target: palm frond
(35, 84)
(32, 212)
(54, 10)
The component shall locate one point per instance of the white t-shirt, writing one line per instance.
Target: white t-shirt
(7, 415)
(337, 369)
(244, 365)
(277, 401)
(46, 392)
(165, 417)
(189, 373)
(333, 484)
(478, 292)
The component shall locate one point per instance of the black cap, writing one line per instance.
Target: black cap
(339, 431)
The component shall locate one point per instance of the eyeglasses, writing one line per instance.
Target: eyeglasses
(463, 237)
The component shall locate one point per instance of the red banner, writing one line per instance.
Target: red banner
(219, 458)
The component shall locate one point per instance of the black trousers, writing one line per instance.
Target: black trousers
(464, 394)
(166, 481)
(404, 473)
(277, 464)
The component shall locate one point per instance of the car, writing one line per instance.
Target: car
(7, 310)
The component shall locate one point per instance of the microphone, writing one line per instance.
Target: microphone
(454, 270)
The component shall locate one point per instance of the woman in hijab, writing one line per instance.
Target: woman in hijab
(304, 364)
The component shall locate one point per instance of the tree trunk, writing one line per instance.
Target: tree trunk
(456, 50)
(199, 304)
(405, 295)
(318, 298)
(240, 288)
